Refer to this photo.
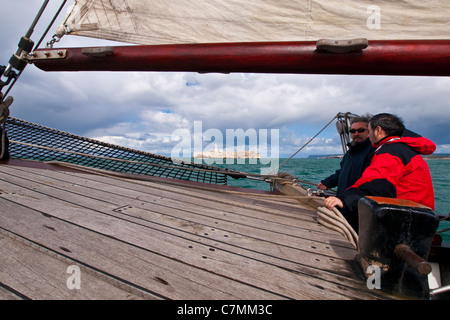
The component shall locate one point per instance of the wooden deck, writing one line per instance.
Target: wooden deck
(153, 239)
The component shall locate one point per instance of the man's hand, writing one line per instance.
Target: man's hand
(332, 202)
(321, 186)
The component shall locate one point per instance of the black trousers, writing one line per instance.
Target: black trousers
(4, 144)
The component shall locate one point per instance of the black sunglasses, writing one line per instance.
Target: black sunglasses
(360, 130)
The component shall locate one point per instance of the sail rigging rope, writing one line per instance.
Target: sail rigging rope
(309, 141)
(21, 52)
(50, 24)
(16, 61)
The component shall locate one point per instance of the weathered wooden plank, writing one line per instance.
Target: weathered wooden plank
(175, 244)
(286, 252)
(247, 247)
(295, 216)
(130, 263)
(38, 275)
(186, 193)
(257, 274)
(289, 223)
(6, 294)
(301, 250)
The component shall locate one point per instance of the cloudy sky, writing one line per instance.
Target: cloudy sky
(143, 110)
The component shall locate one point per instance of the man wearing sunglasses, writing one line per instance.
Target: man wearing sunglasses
(355, 160)
(397, 169)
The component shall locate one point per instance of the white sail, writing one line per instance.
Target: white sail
(212, 21)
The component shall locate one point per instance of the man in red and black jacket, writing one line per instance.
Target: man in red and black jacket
(396, 170)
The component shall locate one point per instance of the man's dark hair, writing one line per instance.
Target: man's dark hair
(362, 118)
(391, 124)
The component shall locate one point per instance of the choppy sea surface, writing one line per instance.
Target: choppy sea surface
(314, 170)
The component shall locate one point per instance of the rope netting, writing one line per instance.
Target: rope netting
(35, 142)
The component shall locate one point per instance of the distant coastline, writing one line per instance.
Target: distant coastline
(439, 156)
(326, 156)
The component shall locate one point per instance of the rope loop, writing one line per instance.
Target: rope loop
(333, 219)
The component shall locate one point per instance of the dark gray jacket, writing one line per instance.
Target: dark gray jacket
(354, 162)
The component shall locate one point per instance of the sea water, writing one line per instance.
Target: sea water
(311, 171)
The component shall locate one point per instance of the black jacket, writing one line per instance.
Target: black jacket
(353, 164)
(6, 143)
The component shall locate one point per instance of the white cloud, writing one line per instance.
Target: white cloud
(143, 109)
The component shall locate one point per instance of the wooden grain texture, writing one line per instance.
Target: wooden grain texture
(38, 275)
(155, 240)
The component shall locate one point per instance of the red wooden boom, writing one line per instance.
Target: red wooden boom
(406, 57)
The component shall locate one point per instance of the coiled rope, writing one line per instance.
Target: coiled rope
(333, 219)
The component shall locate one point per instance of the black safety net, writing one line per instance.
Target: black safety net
(36, 142)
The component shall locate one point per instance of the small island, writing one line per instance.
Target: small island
(220, 154)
